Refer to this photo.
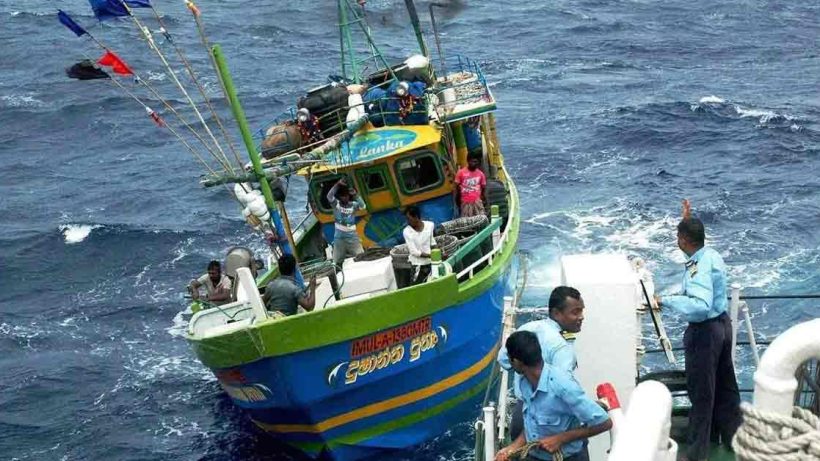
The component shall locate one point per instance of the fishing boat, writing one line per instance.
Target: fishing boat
(380, 364)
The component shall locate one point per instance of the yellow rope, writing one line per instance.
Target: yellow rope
(524, 451)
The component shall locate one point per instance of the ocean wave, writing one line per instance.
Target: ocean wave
(21, 101)
(600, 27)
(711, 100)
(28, 336)
(722, 107)
(76, 233)
(40, 14)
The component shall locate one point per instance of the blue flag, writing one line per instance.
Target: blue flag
(107, 9)
(66, 20)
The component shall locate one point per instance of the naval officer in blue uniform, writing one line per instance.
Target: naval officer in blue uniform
(710, 374)
(558, 415)
(566, 315)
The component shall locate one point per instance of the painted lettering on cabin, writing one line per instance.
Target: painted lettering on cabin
(376, 144)
(387, 146)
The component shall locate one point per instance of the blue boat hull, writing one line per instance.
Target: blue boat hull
(390, 390)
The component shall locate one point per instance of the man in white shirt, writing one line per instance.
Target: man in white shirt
(217, 285)
(418, 235)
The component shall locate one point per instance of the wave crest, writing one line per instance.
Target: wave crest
(76, 233)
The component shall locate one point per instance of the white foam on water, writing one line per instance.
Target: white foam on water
(586, 225)
(642, 235)
(33, 13)
(156, 76)
(76, 233)
(21, 100)
(150, 368)
(711, 100)
(179, 326)
(538, 217)
(181, 251)
(764, 116)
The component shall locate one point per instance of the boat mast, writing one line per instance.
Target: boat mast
(347, 45)
(277, 209)
(414, 19)
(349, 15)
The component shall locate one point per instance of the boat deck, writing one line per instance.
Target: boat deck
(716, 453)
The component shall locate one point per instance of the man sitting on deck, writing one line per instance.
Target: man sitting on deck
(418, 235)
(284, 295)
(345, 202)
(558, 415)
(217, 285)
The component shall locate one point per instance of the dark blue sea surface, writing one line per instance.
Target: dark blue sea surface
(610, 113)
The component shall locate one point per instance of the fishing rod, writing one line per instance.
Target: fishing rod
(120, 67)
(146, 33)
(167, 34)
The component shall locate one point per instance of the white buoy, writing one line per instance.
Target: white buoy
(775, 383)
(416, 61)
(356, 111)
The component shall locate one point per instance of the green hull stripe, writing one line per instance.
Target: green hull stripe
(357, 437)
(298, 333)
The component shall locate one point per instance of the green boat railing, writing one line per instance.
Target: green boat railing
(491, 231)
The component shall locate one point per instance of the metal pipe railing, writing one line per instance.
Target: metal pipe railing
(489, 432)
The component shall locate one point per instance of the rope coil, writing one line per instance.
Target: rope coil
(523, 452)
(766, 436)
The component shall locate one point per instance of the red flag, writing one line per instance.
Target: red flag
(117, 65)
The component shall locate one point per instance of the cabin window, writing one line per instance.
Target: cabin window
(419, 173)
(321, 187)
(374, 181)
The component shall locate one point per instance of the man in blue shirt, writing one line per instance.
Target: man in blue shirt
(558, 415)
(710, 374)
(566, 314)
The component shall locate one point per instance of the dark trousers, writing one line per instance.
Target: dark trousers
(424, 272)
(711, 383)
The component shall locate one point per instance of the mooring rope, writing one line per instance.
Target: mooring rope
(767, 436)
(524, 451)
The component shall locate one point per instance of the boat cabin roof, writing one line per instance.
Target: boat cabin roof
(372, 144)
